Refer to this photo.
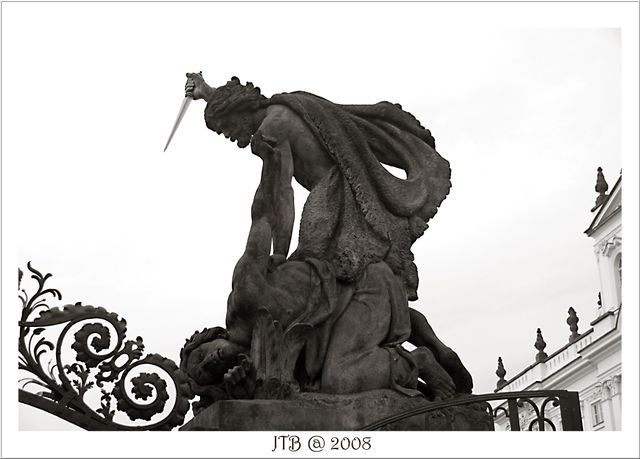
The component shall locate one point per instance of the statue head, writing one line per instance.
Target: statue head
(236, 111)
(208, 355)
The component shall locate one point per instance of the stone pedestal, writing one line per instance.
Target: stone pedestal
(320, 412)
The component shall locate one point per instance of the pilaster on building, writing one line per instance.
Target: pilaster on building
(590, 361)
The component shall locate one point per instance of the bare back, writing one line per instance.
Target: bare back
(310, 161)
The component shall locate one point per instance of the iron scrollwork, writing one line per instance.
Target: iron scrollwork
(109, 376)
(497, 409)
(567, 401)
(539, 419)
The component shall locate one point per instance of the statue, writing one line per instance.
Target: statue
(341, 298)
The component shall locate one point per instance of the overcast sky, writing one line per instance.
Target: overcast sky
(525, 113)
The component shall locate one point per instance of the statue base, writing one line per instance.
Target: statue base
(321, 412)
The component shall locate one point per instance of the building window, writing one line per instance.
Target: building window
(596, 413)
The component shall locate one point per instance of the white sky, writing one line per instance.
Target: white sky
(524, 109)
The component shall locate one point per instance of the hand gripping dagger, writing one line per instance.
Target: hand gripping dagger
(188, 97)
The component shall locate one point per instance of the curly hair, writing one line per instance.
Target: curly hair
(235, 97)
(199, 338)
(235, 104)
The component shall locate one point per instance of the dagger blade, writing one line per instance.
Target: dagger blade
(183, 109)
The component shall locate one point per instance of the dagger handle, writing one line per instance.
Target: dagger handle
(190, 93)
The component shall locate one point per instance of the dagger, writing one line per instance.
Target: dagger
(188, 97)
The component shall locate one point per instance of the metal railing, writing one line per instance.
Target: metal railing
(568, 402)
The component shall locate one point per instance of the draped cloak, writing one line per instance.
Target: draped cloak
(360, 213)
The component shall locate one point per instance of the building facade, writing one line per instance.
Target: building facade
(591, 362)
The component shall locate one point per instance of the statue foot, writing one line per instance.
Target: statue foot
(450, 361)
(439, 384)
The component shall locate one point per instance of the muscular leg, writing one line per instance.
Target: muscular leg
(355, 360)
(423, 335)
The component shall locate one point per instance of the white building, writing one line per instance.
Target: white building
(590, 363)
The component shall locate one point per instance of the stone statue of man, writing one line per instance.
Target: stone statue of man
(357, 214)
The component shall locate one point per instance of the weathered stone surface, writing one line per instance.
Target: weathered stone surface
(331, 317)
(335, 412)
